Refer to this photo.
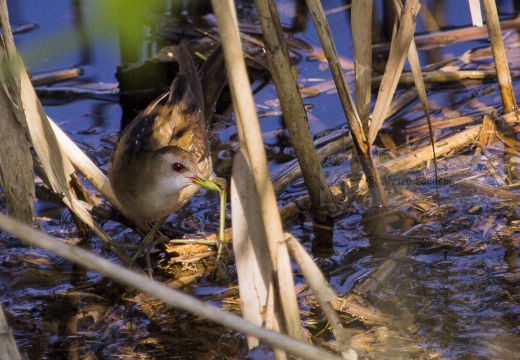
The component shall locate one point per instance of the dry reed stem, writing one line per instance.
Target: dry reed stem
(361, 146)
(489, 190)
(284, 77)
(476, 13)
(361, 24)
(400, 46)
(486, 136)
(157, 290)
(353, 308)
(56, 166)
(428, 19)
(16, 173)
(249, 245)
(499, 55)
(55, 76)
(251, 142)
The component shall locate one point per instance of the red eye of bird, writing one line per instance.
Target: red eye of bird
(178, 167)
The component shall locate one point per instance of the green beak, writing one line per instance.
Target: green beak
(206, 183)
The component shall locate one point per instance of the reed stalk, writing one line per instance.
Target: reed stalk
(499, 55)
(253, 147)
(359, 139)
(284, 77)
(361, 24)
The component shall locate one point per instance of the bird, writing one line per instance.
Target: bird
(162, 158)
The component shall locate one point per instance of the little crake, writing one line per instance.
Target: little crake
(163, 156)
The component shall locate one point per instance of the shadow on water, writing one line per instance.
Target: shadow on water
(452, 291)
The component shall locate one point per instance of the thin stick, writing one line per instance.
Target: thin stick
(436, 77)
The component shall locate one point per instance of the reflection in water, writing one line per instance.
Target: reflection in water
(322, 242)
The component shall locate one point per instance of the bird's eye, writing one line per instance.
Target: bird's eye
(178, 167)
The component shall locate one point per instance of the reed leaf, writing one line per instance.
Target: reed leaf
(394, 67)
(251, 142)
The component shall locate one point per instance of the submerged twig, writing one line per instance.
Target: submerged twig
(107, 93)
(489, 190)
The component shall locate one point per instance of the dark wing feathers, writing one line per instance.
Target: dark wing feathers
(179, 121)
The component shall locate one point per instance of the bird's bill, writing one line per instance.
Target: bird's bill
(206, 183)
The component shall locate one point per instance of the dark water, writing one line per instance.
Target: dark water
(455, 296)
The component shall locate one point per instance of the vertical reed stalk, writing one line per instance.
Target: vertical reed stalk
(252, 144)
(358, 135)
(499, 55)
(284, 76)
(361, 24)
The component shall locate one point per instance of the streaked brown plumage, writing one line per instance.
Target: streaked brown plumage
(169, 131)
